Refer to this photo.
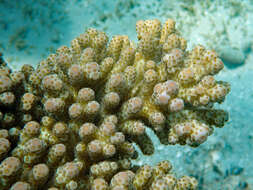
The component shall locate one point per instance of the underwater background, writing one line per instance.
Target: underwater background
(32, 29)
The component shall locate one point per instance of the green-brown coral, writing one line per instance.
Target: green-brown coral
(70, 123)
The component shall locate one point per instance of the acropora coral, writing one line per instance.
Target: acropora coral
(71, 122)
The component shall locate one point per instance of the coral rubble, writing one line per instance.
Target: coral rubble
(71, 122)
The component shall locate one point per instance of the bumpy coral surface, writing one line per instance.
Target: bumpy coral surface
(70, 123)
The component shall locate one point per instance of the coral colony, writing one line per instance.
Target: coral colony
(71, 122)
